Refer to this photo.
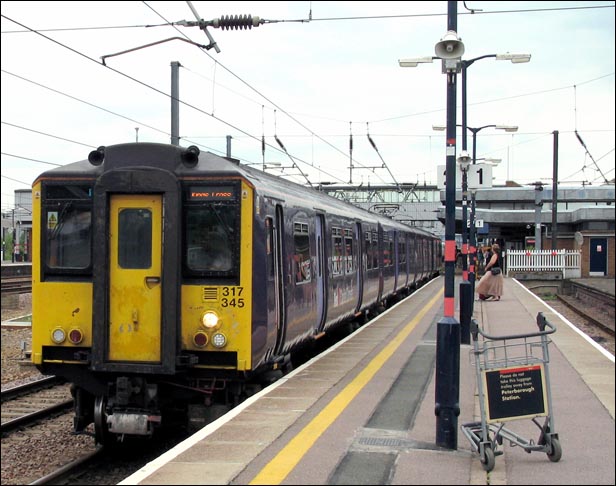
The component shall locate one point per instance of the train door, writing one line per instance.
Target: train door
(598, 257)
(359, 265)
(380, 260)
(320, 272)
(135, 251)
(396, 259)
(413, 257)
(279, 279)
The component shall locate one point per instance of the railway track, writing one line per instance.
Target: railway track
(26, 404)
(16, 285)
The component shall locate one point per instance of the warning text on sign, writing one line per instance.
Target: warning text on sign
(515, 392)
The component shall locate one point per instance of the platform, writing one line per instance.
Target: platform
(363, 413)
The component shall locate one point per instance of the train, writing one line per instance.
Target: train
(169, 284)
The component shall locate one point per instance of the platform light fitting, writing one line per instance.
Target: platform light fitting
(514, 58)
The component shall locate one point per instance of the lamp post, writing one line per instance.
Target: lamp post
(447, 375)
(469, 245)
(464, 160)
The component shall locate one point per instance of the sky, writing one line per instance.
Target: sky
(310, 76)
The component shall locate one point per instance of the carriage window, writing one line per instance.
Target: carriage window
(349, 253)
(338, 252)
(368, 239)
(269, 247)
(135, 238)
(375, 249)
(388, 250)
(301, 256)
(401, 251)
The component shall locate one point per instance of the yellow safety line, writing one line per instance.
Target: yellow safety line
(284, 462)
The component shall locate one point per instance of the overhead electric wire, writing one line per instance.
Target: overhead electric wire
(310, 19)
(261, 95)
(47, 134)
(382, 160)
(329, 19)
(141, 83)
(85, 102)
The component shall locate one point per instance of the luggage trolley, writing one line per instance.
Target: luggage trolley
(514, 383)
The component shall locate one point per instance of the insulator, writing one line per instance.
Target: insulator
(227, 22)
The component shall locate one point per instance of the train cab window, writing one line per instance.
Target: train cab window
(67, 230)
(301, 256)
(208, 234)
(211, 226)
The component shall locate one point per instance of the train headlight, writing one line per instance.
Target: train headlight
(219, 340)
(75, 336)
(210, 319)
(200, 339)
(58, 335)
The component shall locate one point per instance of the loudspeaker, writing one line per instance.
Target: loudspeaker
(450, 46)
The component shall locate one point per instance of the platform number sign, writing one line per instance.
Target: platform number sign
(479, 176)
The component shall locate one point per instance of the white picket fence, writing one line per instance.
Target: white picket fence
(565, 261)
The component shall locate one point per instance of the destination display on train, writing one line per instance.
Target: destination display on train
(212, 193)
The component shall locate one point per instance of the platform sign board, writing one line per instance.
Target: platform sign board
(479, 176)
(515, 392)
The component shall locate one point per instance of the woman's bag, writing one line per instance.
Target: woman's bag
(495, 271)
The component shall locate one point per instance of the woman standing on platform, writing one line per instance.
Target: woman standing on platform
(490, 286)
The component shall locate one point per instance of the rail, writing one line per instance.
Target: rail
(16, 285)
(567, 262)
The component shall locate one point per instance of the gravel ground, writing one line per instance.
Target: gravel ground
(15, 369)
(27, 456)
(21, 453)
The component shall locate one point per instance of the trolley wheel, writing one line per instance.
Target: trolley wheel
(556, 451)
(488, 460)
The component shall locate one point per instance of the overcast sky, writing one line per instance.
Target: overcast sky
(313, 74)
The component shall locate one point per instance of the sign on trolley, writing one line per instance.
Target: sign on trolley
(515, 392)
(513, 382)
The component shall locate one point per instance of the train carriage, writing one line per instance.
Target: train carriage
(170, 282)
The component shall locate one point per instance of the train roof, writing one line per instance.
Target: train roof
(190, 162)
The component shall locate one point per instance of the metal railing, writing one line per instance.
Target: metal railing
(565, 261)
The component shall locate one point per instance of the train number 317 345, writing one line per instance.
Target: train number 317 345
(231, 297)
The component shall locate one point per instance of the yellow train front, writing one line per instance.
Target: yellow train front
(169, 284)
(142, 286)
